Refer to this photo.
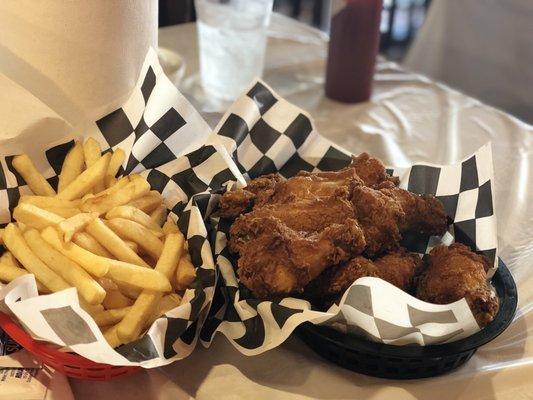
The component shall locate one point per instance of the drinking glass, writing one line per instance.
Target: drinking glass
(232, 39)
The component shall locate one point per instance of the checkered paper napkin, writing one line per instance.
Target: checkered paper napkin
(163, 137)
(265, 134)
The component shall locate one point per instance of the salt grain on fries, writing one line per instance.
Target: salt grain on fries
(101, 235)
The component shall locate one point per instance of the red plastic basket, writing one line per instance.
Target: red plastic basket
(70, 364)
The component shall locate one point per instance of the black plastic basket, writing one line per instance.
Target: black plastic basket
(410, 362)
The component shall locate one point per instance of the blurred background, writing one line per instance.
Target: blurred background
(483, 48)
(401, 19)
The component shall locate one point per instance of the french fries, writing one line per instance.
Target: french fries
(170, 227)
(47, 202)
(35, 217)
(114, 165)
(109, 317)
(33, 178)
(16, 244)
(139, 234)
(107, 237)
(72, 225)
(71, 272)
(115, 299)
(185, 273)
(159, 216)
(104, 202)
(86, 180)
(148, 203)
(136, 215)
(87, 242)
(92, 153)
(113, 243)
(144, 307)
(72, 166)
(95, 265)
(140, 277)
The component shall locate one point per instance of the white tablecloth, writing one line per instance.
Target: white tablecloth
(484, 48)
(409, 119)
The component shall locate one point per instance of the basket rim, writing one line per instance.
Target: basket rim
(46, 350)
(508, 295)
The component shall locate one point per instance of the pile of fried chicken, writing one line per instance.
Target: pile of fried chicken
(316, 233)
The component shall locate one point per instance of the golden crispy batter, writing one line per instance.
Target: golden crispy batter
(306, 215)
(372, 171)
(379, 216)
(234, 203)
(399, 268)
(277, 261)
(422, 214)
(455, 272)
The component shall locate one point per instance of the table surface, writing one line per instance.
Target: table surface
(409, 119)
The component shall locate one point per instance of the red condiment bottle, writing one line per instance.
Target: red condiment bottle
(353, 47)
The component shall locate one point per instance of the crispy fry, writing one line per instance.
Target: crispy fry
(115, 299)
(109, 317)
(47, 202)
(8, 258)
(92, 153)
(131, 325)
(134, 214)
(74, 224)
(32, 177)
(1, 236)
(35, 217)
(104, 202)
(131, 292)
(86, 241)
(90, 308)
(170, 226)
(71, 272)
(132, 245)
(114, 165)
(72, 166)
(159, 215)
(140, 277)
(95, 265)
(167, 303)
(148, 203)
(185, 273)
(86, 180)
(17, 245)
(113, 243)
(63, 212)
(111, 337)
(10, 270)
(137, 233)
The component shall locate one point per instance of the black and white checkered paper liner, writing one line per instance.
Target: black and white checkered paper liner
(265, 134)
(158, 129)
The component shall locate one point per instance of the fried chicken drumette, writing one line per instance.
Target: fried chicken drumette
(455, 272)
(276, 260)
(399, 268)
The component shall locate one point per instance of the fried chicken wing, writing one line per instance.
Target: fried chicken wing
(423, 214)
(278, 261)
(307, 215)
(236, 202)
(455, 272)
(372, 171)
(399, 268)
(379, 216)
